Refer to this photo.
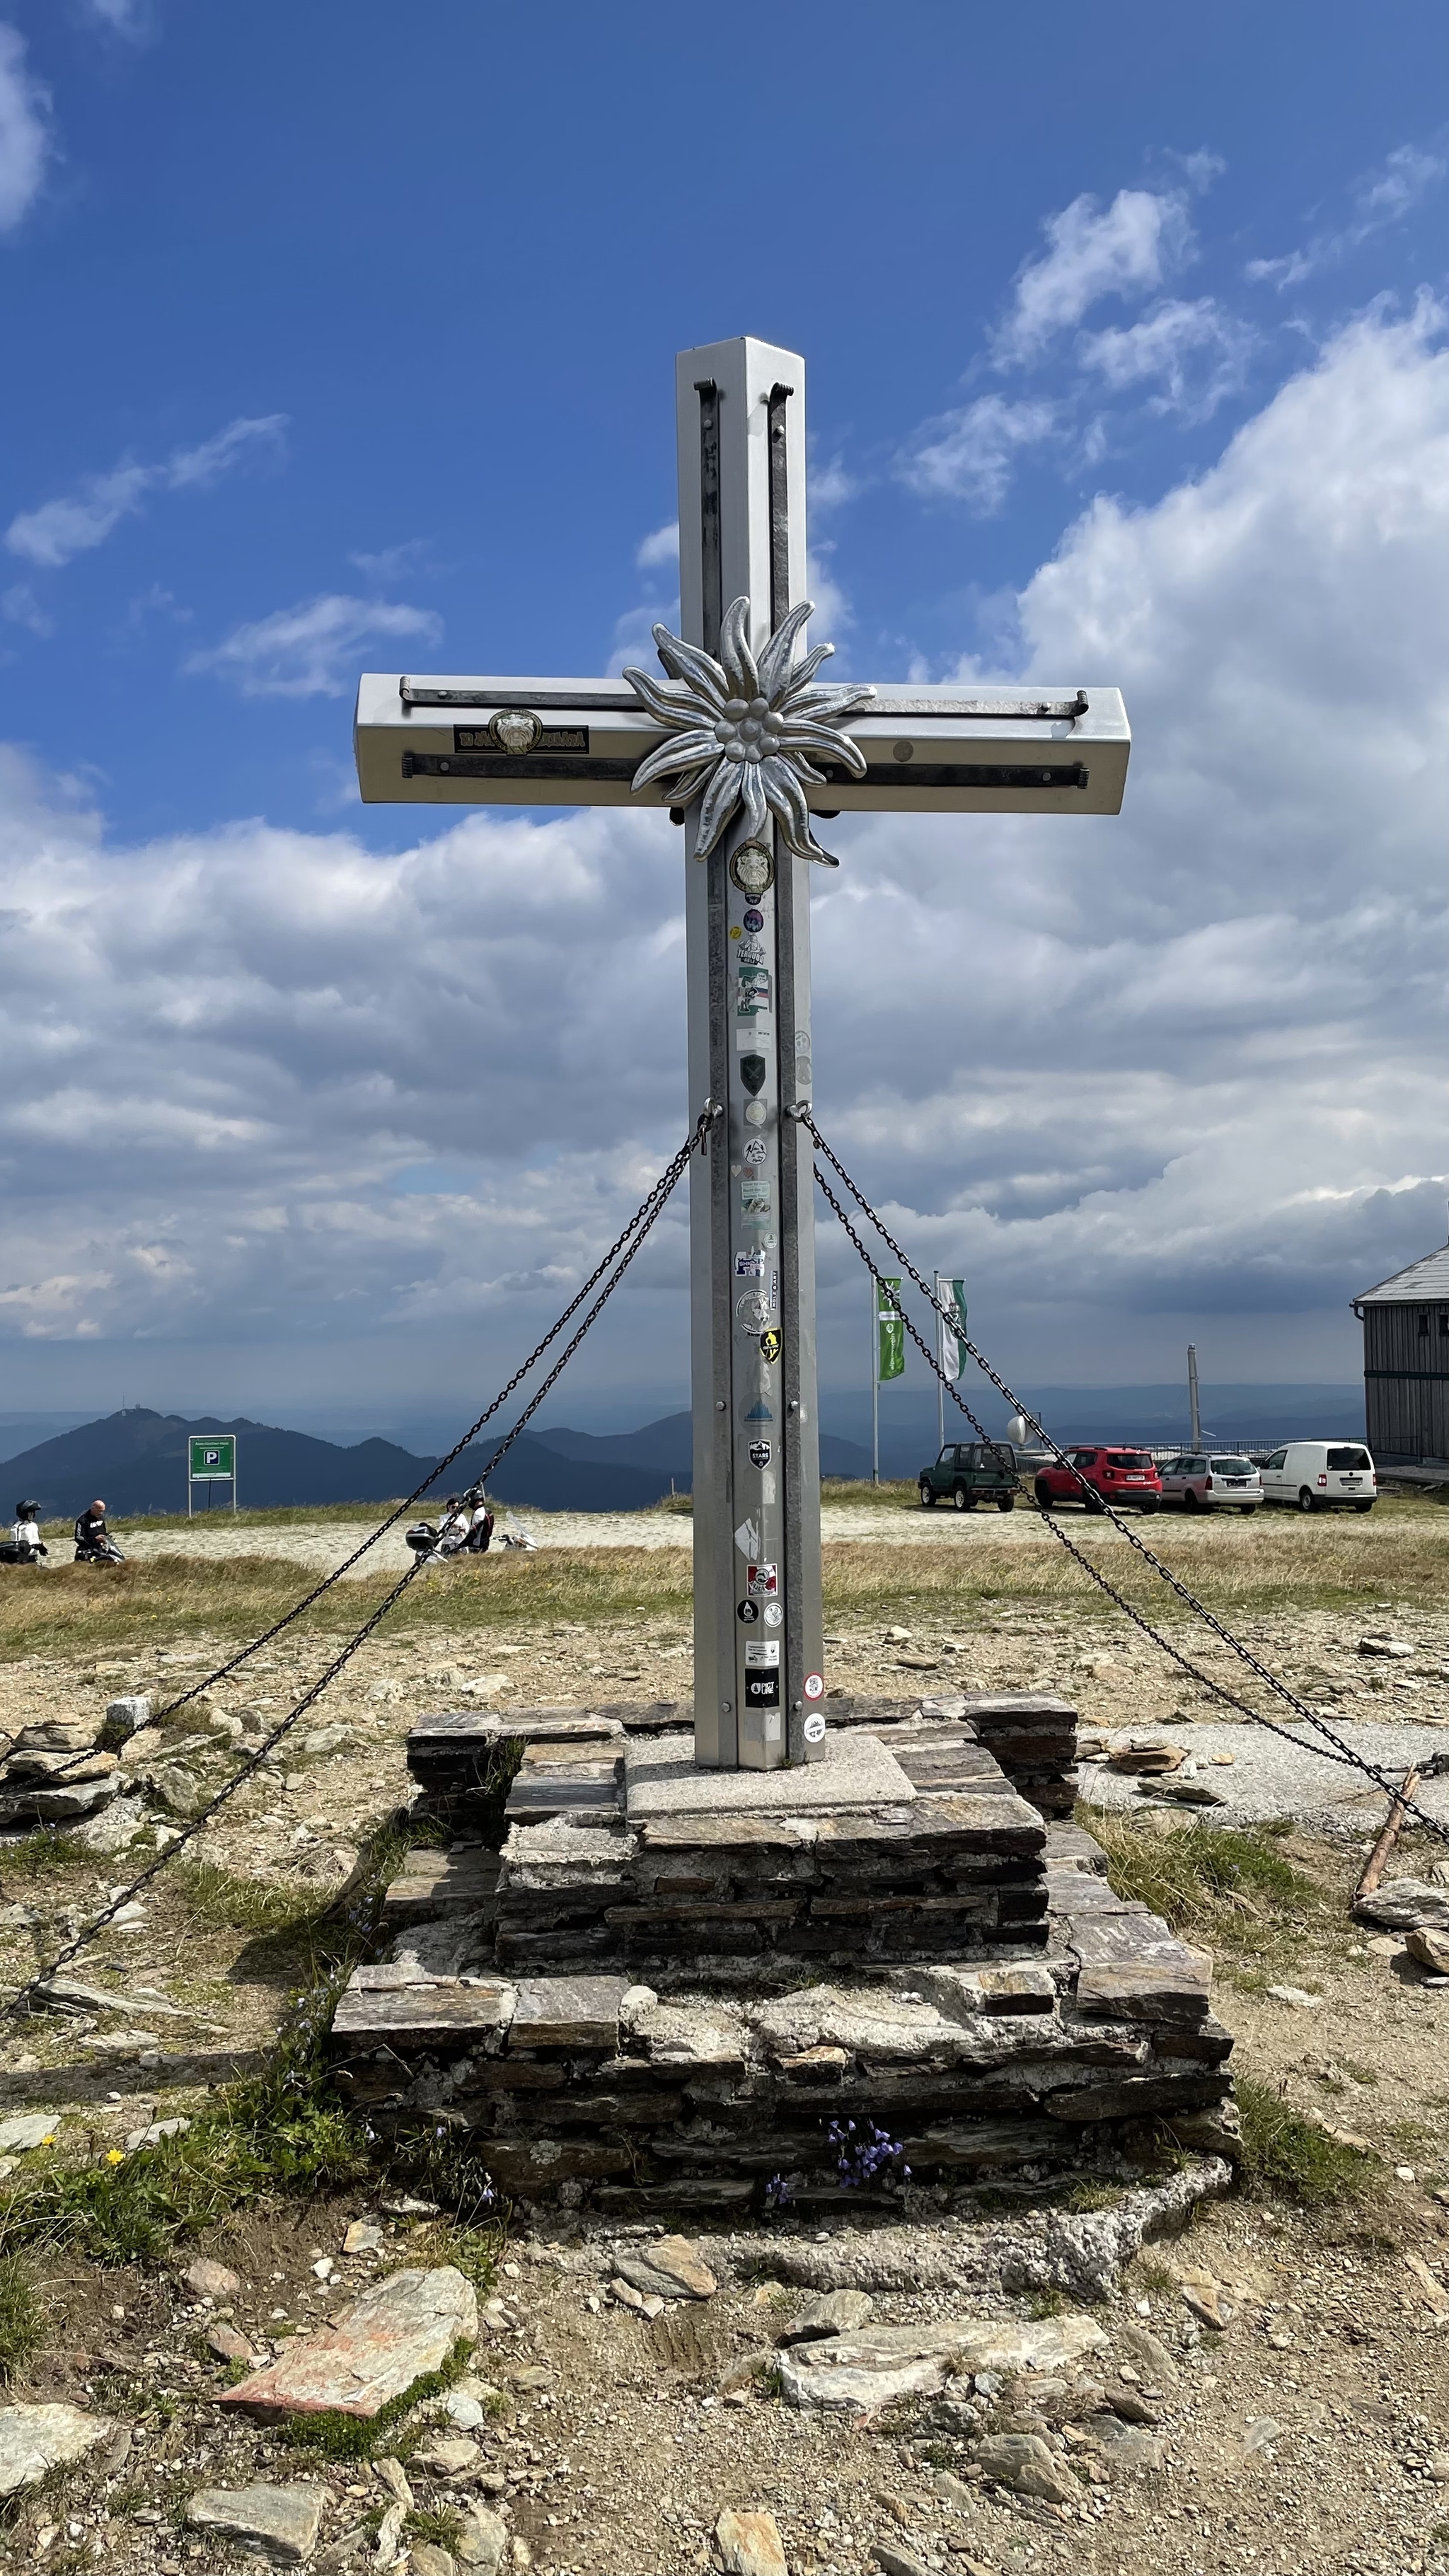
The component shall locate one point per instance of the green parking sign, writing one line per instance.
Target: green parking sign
(213, 1457)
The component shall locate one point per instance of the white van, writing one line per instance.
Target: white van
(1317, 1474)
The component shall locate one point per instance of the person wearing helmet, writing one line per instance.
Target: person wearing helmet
(27, 1547)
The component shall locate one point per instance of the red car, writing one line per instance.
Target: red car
(1114, 1475)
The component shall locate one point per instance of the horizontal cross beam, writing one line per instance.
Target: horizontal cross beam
(928, 750)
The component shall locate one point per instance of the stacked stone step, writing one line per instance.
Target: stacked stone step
(55, 1774)
(453, 1756)
(937, 1857)
(643, 2099)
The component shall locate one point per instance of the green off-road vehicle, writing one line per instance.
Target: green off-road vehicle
(972, 1472)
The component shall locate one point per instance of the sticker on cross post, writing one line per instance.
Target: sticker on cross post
(762, 1650)
(762, 1690)
(762, 1582)
(774, 1614)
(760, 1453)
(749, 1613)
(754, 919)
(815, 1685)
(815, 1728)
(753, 1070)
(747, 1540)
(749, 1265)
(755, 1113)
(769, 1342)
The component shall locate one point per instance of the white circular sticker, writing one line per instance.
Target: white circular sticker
(815, 1730)
(774, 1614)
(815, 1686)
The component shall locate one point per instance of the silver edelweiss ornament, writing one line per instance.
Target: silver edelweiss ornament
(743, 730)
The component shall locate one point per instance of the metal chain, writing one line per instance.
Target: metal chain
(1341, 1753)
(639, 1227)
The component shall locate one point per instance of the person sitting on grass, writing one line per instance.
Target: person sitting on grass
(94, 1544)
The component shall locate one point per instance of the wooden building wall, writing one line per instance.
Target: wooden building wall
(1406, 1379)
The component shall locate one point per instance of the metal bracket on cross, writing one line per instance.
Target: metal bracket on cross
(745, 749)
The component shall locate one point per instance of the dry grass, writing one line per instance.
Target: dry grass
(1231, 1888)
(1238, 1567)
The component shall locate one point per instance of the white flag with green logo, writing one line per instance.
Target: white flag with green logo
(951, 1293)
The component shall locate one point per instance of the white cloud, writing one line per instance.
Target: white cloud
(25, 140)
(970, 455)
(1382, 198)
(662, 548)
(1197, 353)
(1406, 179)
(124, 17)
(58, 531)
(20, 605)
(1129, 250)
(311, 650)
(830, 486)
(1194, 1086)
(394, 561)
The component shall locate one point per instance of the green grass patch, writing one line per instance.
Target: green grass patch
(436, 2524)
(46, 1851)
(227, 1904)
(1286, 2158)
(1229, 1886)
(22, 2326)
(334, 2436)
(279, 2133)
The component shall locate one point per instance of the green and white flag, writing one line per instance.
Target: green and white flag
(951, 1293)
(890, 1331)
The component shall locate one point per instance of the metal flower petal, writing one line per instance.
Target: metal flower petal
(741, 730)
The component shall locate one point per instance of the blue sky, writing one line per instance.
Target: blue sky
(339, 338)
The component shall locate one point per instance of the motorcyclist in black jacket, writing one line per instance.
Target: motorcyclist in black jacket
(94, 1544)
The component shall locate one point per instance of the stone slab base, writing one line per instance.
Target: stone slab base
(613, 2089)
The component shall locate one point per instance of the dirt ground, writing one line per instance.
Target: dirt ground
(1312, 2432)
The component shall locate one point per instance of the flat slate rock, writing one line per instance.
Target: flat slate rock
(27, 2129)
(279, 2523)
(421, 2006)
(856, 1771)
(885, 2362)
(671, 2268)
(568, 2012)
(434, 1884)
(36, 2439)
(399, 2330)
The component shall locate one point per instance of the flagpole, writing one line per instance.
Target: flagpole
(874, 1381)
(941, 1359)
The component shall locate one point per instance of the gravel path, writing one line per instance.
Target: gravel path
(1269, 1777)
(325, 1543)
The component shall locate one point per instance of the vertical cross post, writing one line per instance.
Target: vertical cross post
(757, 1610)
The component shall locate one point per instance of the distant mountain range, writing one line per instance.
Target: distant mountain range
(136, 1459)
(136, 1462)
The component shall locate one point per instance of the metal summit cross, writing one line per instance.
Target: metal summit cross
(745, 747)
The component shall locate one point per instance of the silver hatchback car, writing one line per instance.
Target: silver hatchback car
(1212, 1484)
